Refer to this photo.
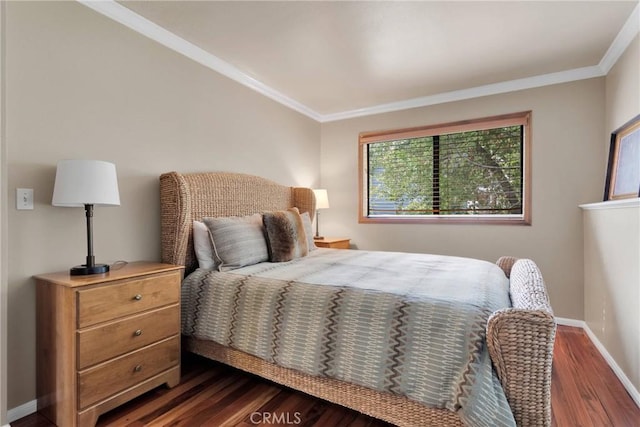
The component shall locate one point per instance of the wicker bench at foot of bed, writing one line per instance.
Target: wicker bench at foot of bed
(520, 340)
(394, 409)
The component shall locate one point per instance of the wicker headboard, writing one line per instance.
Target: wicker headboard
(193, 196)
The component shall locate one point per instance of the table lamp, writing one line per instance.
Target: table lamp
(86, 183)
(322, 202)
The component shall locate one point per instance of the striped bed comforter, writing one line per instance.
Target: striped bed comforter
(409, 324)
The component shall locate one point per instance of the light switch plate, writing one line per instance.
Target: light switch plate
(24, 199)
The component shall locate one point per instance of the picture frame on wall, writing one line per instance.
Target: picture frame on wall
(623, 169)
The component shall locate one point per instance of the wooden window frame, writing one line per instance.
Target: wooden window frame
(514, 119)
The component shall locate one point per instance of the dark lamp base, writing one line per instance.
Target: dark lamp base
(318, 237)
(84, 270)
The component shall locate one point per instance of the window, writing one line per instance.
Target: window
(470, 171)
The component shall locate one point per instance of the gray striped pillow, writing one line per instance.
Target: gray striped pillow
(238, 241)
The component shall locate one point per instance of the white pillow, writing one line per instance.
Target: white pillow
(308, 230)
(203, 247)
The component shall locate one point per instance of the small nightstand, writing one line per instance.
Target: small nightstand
(332, 242)
(104, 339)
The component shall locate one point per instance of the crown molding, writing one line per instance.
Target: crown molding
(132, 20)
(475, 92)
(624, 38)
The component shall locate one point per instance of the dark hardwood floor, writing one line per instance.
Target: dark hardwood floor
(585, 393)
(584, 389)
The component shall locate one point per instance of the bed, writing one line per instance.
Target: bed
(517, 333)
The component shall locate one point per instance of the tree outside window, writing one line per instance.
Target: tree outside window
(466, 171)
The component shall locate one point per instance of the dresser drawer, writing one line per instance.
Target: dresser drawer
(128, 297)
(109, 340)
(102, 381)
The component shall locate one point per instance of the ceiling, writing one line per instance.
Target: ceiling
(332, 60)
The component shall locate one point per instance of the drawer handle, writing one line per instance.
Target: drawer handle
(137, 368)
(138, 332)
(138, 297)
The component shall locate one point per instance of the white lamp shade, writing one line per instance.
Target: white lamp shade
(85, 182)
(322, 199)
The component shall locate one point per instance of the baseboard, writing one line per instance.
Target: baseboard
(626, 382)
(21, 411)
(571, 322)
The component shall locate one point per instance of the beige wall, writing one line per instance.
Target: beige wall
(612, 239)
(3, 235)
(622, 91)
(82, 86)
(612, 284)
(568, 124)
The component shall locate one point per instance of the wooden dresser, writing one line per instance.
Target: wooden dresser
(104, 339)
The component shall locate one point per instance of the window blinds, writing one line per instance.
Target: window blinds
(471, 172)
